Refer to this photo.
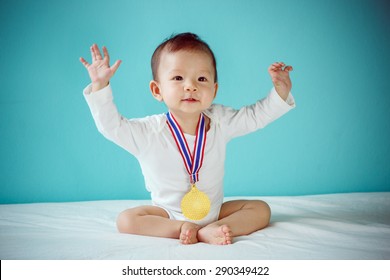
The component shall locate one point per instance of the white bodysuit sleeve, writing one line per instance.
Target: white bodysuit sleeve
(256, 116)
(131, 135)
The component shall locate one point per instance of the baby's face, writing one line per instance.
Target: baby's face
(186, 81)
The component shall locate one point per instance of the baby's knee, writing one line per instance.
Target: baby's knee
(127, 221)
(263, 210)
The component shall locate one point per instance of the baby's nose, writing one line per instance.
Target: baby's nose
(190, 86)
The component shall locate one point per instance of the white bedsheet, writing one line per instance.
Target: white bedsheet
(335, 226)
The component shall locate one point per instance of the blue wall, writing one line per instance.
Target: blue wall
(336, 140)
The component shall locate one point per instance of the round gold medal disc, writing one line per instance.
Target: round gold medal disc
(195, 205)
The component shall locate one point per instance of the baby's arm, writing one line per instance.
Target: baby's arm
(123, 132)
(280, 76)
(100, 71)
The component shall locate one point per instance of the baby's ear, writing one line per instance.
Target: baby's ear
(215, 89)
(155, 90)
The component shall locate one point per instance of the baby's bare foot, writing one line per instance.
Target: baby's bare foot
(216, 234)
(189, 233)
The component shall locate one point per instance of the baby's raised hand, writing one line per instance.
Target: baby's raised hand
(280, 76)
(100, 71)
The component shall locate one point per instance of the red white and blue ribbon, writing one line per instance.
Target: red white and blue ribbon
(192, 161)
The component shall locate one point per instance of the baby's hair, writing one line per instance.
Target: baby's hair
(183, 41)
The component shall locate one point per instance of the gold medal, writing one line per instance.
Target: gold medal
(195, 205)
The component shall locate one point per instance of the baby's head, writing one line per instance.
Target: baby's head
(182, 42)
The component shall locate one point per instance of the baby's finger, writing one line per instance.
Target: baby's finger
(272, 68)
(84, 62)
(277, 65)
(96, 55)
(288, 68)
(116, 66)
(106, 55)
(93, 55)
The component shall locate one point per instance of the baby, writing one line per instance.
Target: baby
(182, 152)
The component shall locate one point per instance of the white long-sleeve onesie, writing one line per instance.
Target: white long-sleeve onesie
(151, 142)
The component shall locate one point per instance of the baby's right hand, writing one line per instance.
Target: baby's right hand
(100, 71)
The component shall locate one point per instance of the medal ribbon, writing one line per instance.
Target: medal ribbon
(192, 161)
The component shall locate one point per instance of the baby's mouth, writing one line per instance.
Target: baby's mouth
(190, 100)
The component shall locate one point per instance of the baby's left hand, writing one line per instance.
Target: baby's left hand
(280, 76)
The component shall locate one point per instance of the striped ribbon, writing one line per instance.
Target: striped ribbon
(192, 161)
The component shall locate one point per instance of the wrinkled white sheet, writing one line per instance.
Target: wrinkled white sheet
(335, 226)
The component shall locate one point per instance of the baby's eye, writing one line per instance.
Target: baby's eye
(177, 78)
(202, 79)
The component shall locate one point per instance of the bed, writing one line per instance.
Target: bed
(319, 227)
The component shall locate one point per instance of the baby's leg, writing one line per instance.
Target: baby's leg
(238, 217)
(154, 221)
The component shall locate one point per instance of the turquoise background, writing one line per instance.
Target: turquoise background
(336, 140)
